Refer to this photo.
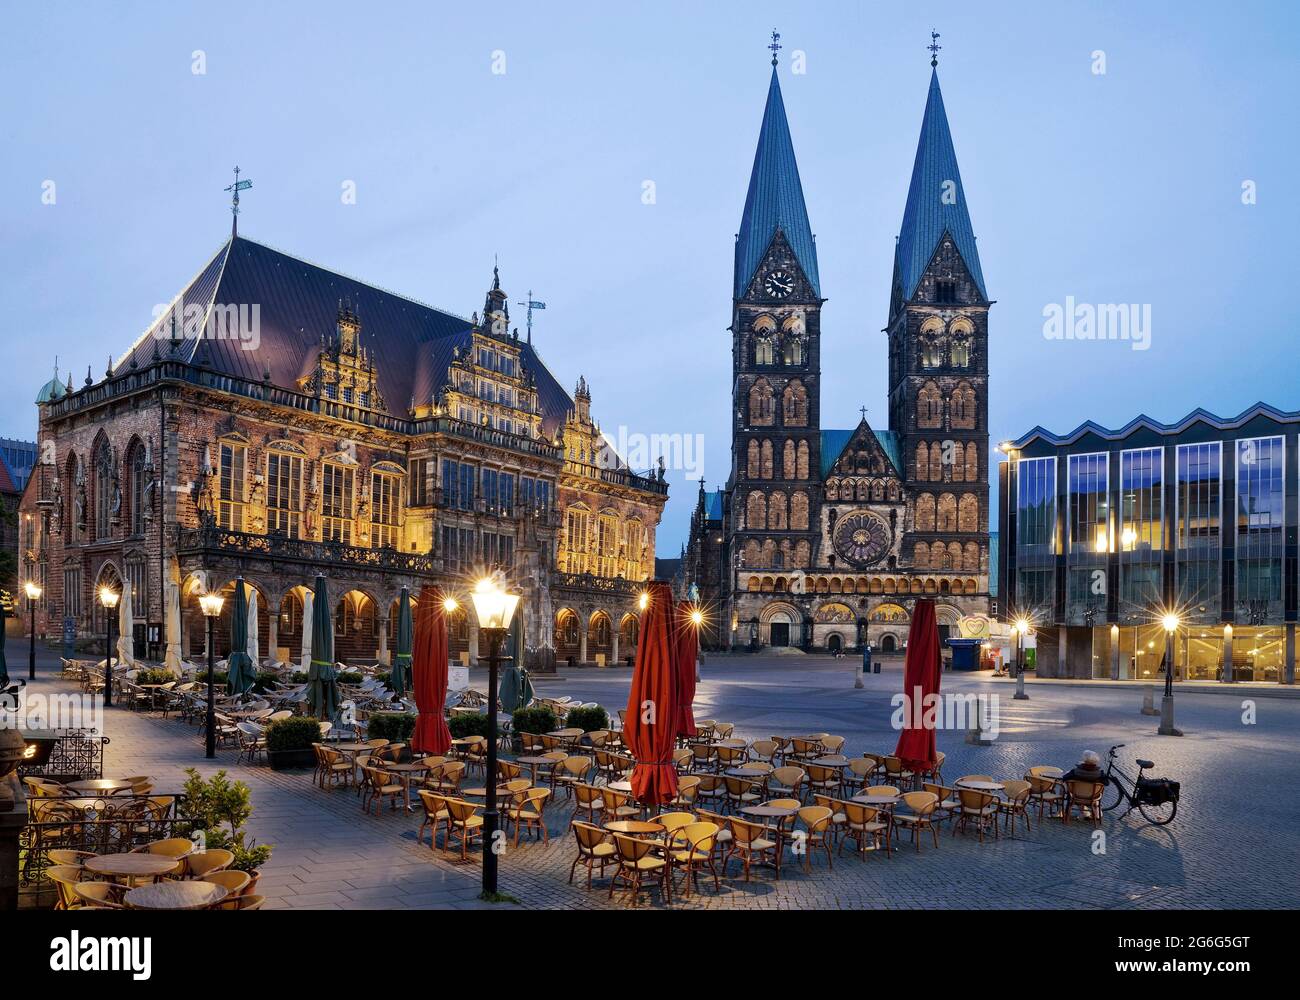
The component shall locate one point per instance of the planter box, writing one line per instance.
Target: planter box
(288, 760)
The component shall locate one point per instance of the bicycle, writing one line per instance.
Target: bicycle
(1154, 798)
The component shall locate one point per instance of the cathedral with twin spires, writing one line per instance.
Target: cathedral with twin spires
(822, 536)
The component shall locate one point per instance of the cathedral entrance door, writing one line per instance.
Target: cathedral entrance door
(780, 633)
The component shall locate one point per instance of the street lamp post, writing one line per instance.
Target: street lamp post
(1171, 623)
(211, 605)
(1021, 627)
(33, 595)
(108, 598)
(495, 609)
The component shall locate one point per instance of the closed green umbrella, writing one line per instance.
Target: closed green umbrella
(239, 669)
(322, 681)
(516, 689)
(399, 678)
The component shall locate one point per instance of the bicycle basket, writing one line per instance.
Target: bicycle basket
(1157, 791)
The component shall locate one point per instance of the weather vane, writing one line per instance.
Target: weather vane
(934, 48)
(776, 45)
(234, 190)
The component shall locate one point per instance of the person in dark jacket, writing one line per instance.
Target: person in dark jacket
(1088, 769)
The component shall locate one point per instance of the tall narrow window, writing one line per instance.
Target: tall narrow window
(385, 509)
(231, 488)
(283, 493)
(577, 524)
(336, 503)
(137, 490)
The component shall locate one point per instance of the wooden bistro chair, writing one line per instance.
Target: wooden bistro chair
(920, 815)
(787, 782)
(722, 839)
(570, 772)
(445, 778)
(508, 769)
(750, 844)
(618, 805)
(825, 780)
(896, 774)
(674, 821)
(587, 802)
(866, 827)
(857, 775)
(692, 848)
(436, 815)
(729, 757)
(1016, 803)
(764, 750)
(638, 864)
(682, 758)
(1084, 796)
(838, 818)
(232, 881)
(704, 758)
(65, 879)
(380, 785)
(465, 822)
(740, 793)
(596, 850)
(949, 805)
(203, 863)
(816, 821)
(980, 808)
(100, 895)
(1044, 793)
(687, 786)
(527, 812)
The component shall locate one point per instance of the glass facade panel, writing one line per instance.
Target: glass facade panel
(1259, 654)
(1141, 528)
(1036, 536)
(1088, 487)
(1260, 501)
(1198, 537)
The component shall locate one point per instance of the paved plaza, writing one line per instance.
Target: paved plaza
(1236, 826)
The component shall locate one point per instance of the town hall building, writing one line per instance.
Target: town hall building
(823, 534)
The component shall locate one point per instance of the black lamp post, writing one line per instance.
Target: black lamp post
(1020, 628)
(108, 598)
(495, 609)
(211, 605)
(1167, 728)
(33, 595)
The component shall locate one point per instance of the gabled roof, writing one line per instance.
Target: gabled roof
(713, 505)
(775, 200)
(1143, 422)
(931, 210)
(411, 343)
(834, 441)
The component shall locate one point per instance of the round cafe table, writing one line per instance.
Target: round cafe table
(769, 813)
(104, 786)
(621, 786)
(195, 895)
(981, 786)
(533, 762)
(567, 734)
(404, 773)
(634, 827)
(132, 866)
(829, 762)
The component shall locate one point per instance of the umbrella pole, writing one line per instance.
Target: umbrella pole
(494, 637)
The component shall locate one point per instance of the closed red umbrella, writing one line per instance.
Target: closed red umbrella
(686, 647)
(429, 674)
(921, 672)
(650, 726)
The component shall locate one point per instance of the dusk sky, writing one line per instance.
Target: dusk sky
(1131, 185)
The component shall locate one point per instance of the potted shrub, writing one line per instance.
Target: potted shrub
(467, 725)
(216, 810)
(289, 742)
(587, 719)
(154, 675)
(396, 727)
(535, 720)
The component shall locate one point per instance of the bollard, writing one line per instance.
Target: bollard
(1167, 718)
(1149, 701)
(877, 666)
(975, 735)
(1020, 687)
(857, 677)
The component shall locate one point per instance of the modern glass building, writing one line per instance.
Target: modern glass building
(1103, 532)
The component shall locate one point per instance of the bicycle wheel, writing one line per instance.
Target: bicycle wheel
(1159, 815)
(1111, 795)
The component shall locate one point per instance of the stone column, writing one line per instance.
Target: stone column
(1114, 652)
(272, 633)
(582, 641)
(613, 643)
(472, 628)
(382, 653)
(1226, 675)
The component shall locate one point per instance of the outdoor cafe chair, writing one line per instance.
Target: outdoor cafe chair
(919, 816)
(750, 845)
(65, 879)
(836, 806)
(551, 760)
(429, 760)
(740, 792)
(637, 865)
(391, 752)
(550, 743)
(682, 758)
(595, 850)
(802, 749)
(380, 785)
(710, 790)
(436, 815)
(252, 741)
(674, 821)
(729, 757)
(857, 774)
(704, 731)
(99, 895)
(232, 881)
(692, 848)
(617, 805)
(764, 750)
(823, 779)
(687, 785)
(704, 757)
(1084, 796)
(201, 863)
(980, 808)
(785, 823)
(587, 801)
(935, 771)
(816, 821)
(621, 766)
(866, 827)
(1044, 793)
(465, 822)
(832, 744)
(445, 778)
(1016, 803)
(723, 730)
(334, 768)
(507, 769)
(67, 856)
(569, 772)
(787, 780)
(722, 839)
(948, 806)
(896, 774)
(528, 812)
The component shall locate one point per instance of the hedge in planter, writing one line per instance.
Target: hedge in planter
(396, 727)
(535, 720)
(468, 725)
(587, 719)
(289, 742)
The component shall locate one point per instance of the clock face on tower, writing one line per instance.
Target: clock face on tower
(862, 538)
(778, 284)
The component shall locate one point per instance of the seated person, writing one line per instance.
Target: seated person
(1088, 769)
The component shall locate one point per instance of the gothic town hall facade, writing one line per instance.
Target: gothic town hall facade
(823, 536)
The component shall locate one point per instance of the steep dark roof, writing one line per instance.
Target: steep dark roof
(835, 440)
(775, 199)
(410, 342)
(928, 214)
